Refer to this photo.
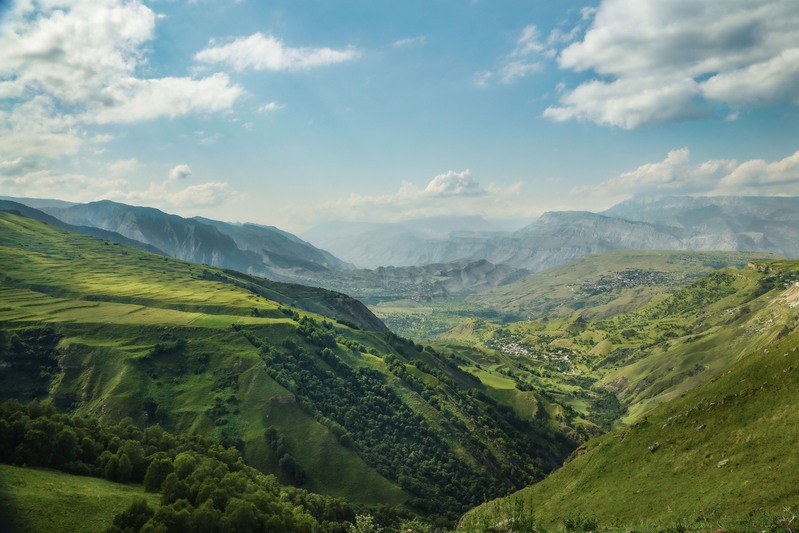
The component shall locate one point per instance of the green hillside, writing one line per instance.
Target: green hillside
(595, 286)
(721, 456)
(329, 402)
(679, 339)
(47, 500)
(606, 284)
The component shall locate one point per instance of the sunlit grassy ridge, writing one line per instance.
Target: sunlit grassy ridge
(306, 382)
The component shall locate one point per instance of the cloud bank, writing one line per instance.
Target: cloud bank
(656, 61)
(676, 174)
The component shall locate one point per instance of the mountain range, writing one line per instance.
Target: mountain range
(439, 257)
(685, 365)
(767, 224)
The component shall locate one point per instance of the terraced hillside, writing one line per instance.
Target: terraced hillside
(330, 402)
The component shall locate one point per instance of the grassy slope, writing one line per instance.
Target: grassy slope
(725, 450)
(652, 354)
(559, 291)
(106, 346)
(171, 342)
(46, 500)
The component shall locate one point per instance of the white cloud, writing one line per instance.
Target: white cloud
(202, 195)
(270, 107)
(628, 103)
(449, 193)
(179, 172)
(74, 63)
(124, 166)
(661, 61)
(522, 61)
(514, 70)
(676, 174)
(481, 79)
(135, 100)
(420, 40)
(453, 184)
(265, 52)
(528, 42)
(779, 177)
(53, 184)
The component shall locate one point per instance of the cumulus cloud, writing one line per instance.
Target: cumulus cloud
(179, 172)
(676, 174)
(265, 52)
(135, 100)
(660, 61)
(453, 184)
(75, 63)
(45, 183)
(779, 177)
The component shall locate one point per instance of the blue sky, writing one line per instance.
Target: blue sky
(296, 112)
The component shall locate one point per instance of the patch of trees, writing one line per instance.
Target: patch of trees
(29, 359)
(203, 486)
(390, 436)
(368, 416)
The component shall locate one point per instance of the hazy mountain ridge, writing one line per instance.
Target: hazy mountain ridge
(423, 283)
(767, 224)
(272, 252)
(249, 248)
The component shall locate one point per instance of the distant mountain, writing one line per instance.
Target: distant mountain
(423, 283)
(407, 243)
(277, 248)
(249, 248)
(759, 224)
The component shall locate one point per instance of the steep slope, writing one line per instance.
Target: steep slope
(345, 411)
(279, 249)
(248, 248)
(719, 457)
(30, 212)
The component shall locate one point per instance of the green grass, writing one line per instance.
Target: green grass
(37, 500)
(201, 350)
(562, 290)
(725, 451)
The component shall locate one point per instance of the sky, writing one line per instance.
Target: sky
(297, 112)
